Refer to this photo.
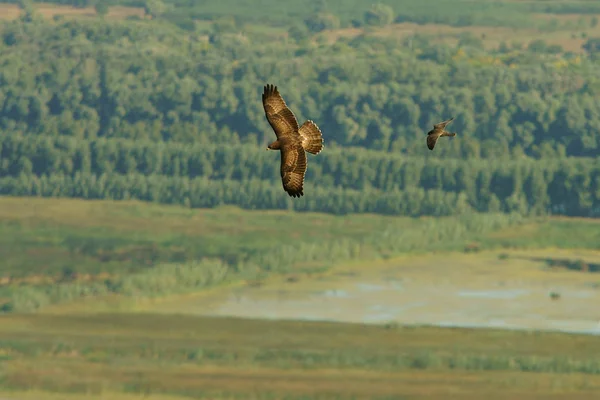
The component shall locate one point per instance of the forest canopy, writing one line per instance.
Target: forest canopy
(138, 108)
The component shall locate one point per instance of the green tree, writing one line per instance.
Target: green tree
(101, 8)
(322, 21)
(379, 15)
(154, 8)
(592, 46)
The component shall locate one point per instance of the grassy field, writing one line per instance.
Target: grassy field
(12, 11)
(41, 395)
(235, 358)
(42, 236)
(57, 250)
(574, 32)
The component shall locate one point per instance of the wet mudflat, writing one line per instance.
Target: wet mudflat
(479, 290)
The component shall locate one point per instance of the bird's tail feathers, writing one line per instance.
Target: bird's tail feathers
(449, 134)
(312, 139)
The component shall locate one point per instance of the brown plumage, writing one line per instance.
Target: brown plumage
(437, 131)
(292, 140)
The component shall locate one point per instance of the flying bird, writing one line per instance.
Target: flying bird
(292, 141)
(437, 131)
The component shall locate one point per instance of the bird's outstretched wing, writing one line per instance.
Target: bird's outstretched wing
(432, 140)
(280, 117)
(442, 125)
(293, 169)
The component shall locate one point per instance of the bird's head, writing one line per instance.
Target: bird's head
(273, 146)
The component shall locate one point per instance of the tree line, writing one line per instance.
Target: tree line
(339, 180)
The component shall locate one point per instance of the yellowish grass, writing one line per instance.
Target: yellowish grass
(138, 216)
(222, 383)
(12, 11)
(40, 395)
(89, 365)
(9, 11)
(120, 12)
(491, 37)
(564, 17)
(131, 332)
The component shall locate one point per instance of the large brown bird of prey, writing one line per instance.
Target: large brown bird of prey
(292, 140)
(437, 131)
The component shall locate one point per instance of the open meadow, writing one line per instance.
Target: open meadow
(112, 282)
(222, 358)
(48, 10)
(58, 250)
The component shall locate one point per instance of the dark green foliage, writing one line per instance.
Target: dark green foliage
(592, 46)
(379, 15)
(339, 181)
(138, 80)
(101, 8)
(105, 109)
(321, 21)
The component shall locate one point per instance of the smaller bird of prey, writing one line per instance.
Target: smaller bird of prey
(292, 140)
(437, 131)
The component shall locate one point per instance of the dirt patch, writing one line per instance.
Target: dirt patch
(492, 37)
(12, 11)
